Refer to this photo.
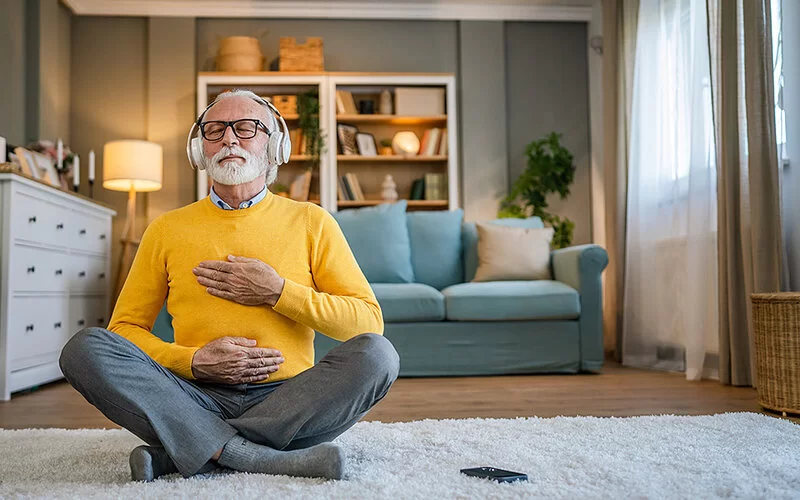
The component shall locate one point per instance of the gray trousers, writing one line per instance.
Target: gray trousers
(192, 420)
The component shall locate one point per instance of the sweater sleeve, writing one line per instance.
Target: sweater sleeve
(341, 304)
(141, 300)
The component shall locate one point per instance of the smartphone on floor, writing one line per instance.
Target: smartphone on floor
(499, 475)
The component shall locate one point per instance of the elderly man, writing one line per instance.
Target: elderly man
(248, 277)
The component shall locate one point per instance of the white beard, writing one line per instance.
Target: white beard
(232, 173)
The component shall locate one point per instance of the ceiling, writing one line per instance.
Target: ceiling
(544, 10)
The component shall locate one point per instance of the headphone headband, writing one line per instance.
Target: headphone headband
(279, 145)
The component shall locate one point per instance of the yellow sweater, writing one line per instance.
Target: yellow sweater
(325, 289)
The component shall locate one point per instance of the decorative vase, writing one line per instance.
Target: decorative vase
(386, 151)
(386, 103)
(389, 189)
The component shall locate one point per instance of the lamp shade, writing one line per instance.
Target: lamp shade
(133, 165)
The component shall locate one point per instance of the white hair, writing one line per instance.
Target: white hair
(254, 166)
(270, 121)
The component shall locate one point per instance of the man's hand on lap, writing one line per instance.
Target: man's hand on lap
(234, 360)
(247, 281)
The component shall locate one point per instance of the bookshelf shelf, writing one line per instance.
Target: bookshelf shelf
(387, 158)
(392, 119)
(411, 203)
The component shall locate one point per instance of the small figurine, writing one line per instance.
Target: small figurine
(389, 189)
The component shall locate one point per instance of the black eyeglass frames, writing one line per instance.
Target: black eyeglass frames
(246, 128)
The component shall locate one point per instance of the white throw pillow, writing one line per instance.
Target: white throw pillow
(513, 253)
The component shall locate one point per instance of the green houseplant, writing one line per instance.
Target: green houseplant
(550, 169)
(308, 122)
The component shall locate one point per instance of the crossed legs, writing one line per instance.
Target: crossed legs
(191, 424)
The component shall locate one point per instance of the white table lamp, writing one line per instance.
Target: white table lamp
(132, 166)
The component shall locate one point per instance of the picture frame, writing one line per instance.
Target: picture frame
(366, 144)
(48, 171)
(27, 162)
(347, 139)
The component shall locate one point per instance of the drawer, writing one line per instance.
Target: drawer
(38, 221)
(87, 311)
(36, 330)
(87, 274)
(38, 270)
(88, 233)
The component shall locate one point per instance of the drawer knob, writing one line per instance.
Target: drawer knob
(32, 220)
(28, 328)
(82, 274)
(101, 276)
(32, 269)
(60, 226)
(101, 321)
(81, 322)
(102, 236)
(82, 232)
(59, 272)
(57, 325)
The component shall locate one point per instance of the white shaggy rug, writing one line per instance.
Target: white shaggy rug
(735, 455)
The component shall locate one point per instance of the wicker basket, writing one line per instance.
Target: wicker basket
(301, 57)
(776, 324)
(240, 53)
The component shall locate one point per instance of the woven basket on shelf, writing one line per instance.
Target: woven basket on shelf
(776, 325)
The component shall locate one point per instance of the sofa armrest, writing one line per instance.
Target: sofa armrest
(581, 268)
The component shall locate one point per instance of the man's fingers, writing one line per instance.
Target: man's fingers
(263, 352)
(219, 285)
(214, 274)
(219, 265)
(243, 341)
(221, 293)
(264, 363)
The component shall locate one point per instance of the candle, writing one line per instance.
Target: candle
(76, 176)
(91, 166)
(60, 154)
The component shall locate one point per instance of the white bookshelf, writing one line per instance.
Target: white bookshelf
(369, 170)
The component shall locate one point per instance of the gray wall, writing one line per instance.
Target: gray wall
(483, 127)
(12, 62)
(791, 99)
(547, 90)
(370, 45)
(109, 101)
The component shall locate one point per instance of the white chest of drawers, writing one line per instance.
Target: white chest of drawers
(54, 277)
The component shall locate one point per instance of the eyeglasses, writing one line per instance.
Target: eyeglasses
(246, 128)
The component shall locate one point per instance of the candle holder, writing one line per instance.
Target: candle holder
(91, 188)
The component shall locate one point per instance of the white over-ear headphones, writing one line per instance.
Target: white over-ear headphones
(279, 145)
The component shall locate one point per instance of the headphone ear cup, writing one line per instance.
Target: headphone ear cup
(275, 148)
(197, 153)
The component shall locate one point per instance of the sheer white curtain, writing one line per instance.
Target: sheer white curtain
(670, 293)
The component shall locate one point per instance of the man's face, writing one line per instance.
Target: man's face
(233, 160)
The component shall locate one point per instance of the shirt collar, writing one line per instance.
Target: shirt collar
(245, 204)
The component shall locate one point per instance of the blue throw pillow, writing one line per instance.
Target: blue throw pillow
(378, 237)
(436, 247)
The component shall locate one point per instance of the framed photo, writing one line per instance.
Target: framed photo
(347, 139)
(38, 166)
(366, 144)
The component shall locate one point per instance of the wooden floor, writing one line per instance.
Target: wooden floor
(618, 391)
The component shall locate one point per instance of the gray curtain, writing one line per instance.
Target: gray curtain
(619, 25)
(749, 240)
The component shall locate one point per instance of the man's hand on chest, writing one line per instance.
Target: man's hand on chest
(240, 279)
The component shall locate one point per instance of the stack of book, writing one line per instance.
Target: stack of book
(434, 142)
(349, 188)
(345, 104)
(430, 187)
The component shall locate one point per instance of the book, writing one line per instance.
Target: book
(359, 195)
(418, 189)
(443, 143)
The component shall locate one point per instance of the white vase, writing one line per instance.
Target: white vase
(389, 189)
(385, 107)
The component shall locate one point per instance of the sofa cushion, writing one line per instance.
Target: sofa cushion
(511, 300)
(436, 252)
(378, 237)
(469, 238)
(405, 302)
